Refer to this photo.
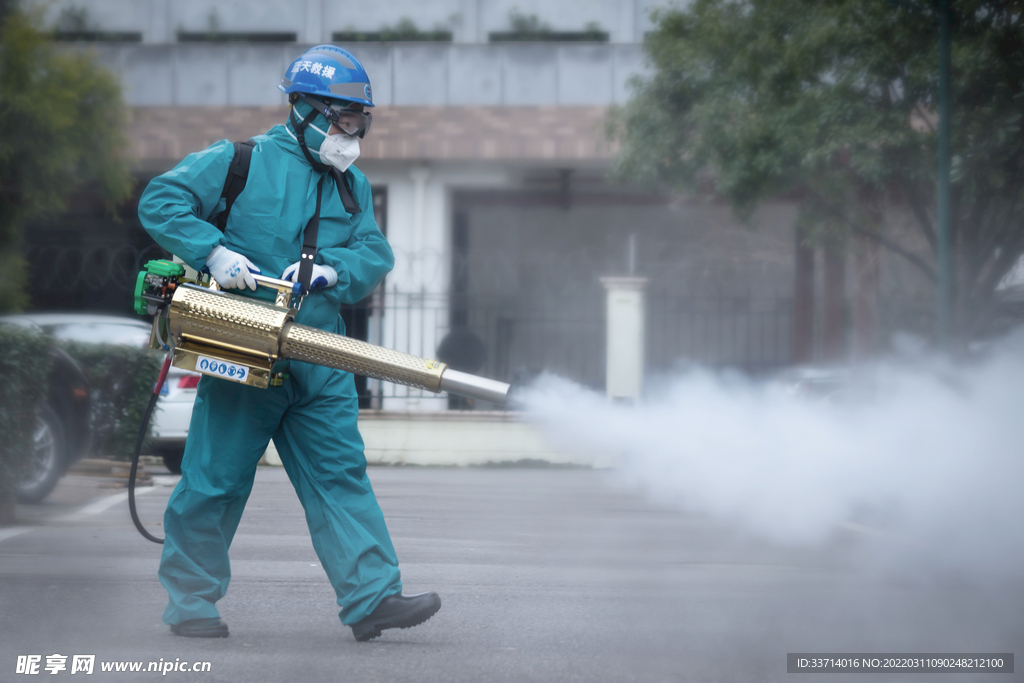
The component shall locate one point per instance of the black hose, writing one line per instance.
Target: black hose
(138, 452)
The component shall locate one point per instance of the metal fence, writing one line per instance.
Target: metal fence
(492, 338)
(484, 336)
(498, 337)
(61, 268)
(751, 334)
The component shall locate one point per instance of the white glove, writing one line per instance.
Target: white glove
(230, 269)
(322, 276)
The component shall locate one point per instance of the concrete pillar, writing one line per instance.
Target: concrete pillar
(625, 337)
(416, 317)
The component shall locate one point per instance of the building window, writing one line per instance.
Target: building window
(99, 36)
(405, 31)
(526, 28)
(235, 37)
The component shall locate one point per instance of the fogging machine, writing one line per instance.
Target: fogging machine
(239, 339)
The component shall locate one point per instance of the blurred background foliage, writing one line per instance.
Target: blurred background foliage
(62, 126)
(834, 103)
(120, 384)
(24, 360)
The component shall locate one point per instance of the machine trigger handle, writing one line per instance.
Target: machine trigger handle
(285, 288)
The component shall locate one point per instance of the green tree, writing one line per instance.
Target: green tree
(834, 102)
(62, 122)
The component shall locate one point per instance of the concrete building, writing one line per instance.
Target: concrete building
(488, 159)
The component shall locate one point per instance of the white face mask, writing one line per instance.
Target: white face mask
(339, 151)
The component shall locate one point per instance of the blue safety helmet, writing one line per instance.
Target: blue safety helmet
(328, 71)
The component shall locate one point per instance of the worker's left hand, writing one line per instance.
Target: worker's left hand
(322, 276)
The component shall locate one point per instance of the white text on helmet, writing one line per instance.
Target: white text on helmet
(314, 68)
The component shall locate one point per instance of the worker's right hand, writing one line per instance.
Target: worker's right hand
(230, 269)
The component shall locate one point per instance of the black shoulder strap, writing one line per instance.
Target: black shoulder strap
(309, 241)
(234, 183)
(309, 235)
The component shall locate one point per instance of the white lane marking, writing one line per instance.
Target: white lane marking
(101, 505)
(12, 532)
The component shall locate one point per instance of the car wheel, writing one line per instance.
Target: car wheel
(46, 465)
(172, 460)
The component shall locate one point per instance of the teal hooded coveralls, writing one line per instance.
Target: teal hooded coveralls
(312, 417)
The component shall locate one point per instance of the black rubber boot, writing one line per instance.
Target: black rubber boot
(397, 611)
(201, 628)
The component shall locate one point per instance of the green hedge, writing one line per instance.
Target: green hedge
(24, 366)
(121, 378)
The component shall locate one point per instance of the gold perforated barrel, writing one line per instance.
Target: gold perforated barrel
(226, 320)
(252, 333)
(324, 348)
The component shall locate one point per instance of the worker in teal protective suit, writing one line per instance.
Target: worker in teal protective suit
(311, 415)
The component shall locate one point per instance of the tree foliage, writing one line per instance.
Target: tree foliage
(62, 122)
(835, 102)
(25, 358)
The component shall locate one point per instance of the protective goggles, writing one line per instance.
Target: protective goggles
(349, 117)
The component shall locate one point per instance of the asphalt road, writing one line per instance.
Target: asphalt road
(545, 575)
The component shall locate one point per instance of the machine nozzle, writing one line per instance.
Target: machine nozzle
(465, 384)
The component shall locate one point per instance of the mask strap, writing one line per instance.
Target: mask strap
(325, 108)
(300, 134)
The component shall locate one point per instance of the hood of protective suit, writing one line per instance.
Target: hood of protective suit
(315, 132)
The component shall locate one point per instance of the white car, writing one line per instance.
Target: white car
(174, 409)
